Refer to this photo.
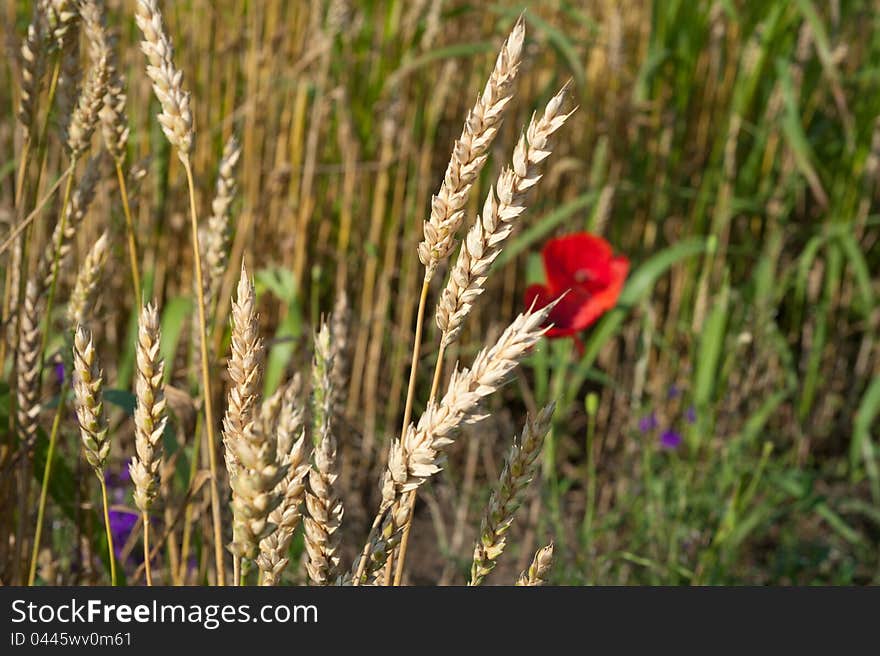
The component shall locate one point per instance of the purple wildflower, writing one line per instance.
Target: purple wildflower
(674, 391)
(59, 372)
(121, 524)
(691, 415)
(670, 439)
(648, 423)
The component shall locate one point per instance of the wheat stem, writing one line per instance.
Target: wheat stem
(44, 487)
(110, 553)
(206, 382)
(411, 388)
(147, 568)
(56, 255)
(129, 229)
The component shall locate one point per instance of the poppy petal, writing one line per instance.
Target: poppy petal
(599, 303)
(575, 259)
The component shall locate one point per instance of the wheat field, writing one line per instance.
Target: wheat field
(431, 292)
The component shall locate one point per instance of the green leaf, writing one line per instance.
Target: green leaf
(710, 350)
(861, 445)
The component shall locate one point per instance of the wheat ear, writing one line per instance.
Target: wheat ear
(149, 422)
(539, 569)
(60, 16)
(418, 456)
(28, 366)
(251, 459)
(470, 152)
(216, 246)
(339, 371)
(114, 122)
(87, 388)
(65, 230)
(175, 118)
(68, 83)
(33, 66)
(519, 470)
(88, 383)
(150, 413)
(487, 236)
(245, 370)
(91, 98)
(82, 298)
(323, 504)
(293, 452)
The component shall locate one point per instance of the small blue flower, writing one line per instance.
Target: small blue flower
(670, 439)
(674, 391)
(121, 524)
(691, 415)
(648, 423)
(59, 372)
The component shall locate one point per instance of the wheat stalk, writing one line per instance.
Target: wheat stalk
(486, 237)
(539, 569)
(251, 459)
(177, 124)
(519, 470)
(88, 383)
(323, 504)
(470, 152)
(418, 455)
(82, 298)
(175, 118)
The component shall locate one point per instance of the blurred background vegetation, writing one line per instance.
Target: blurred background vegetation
(728, 147)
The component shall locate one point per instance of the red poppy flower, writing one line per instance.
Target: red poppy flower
(583, 265)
